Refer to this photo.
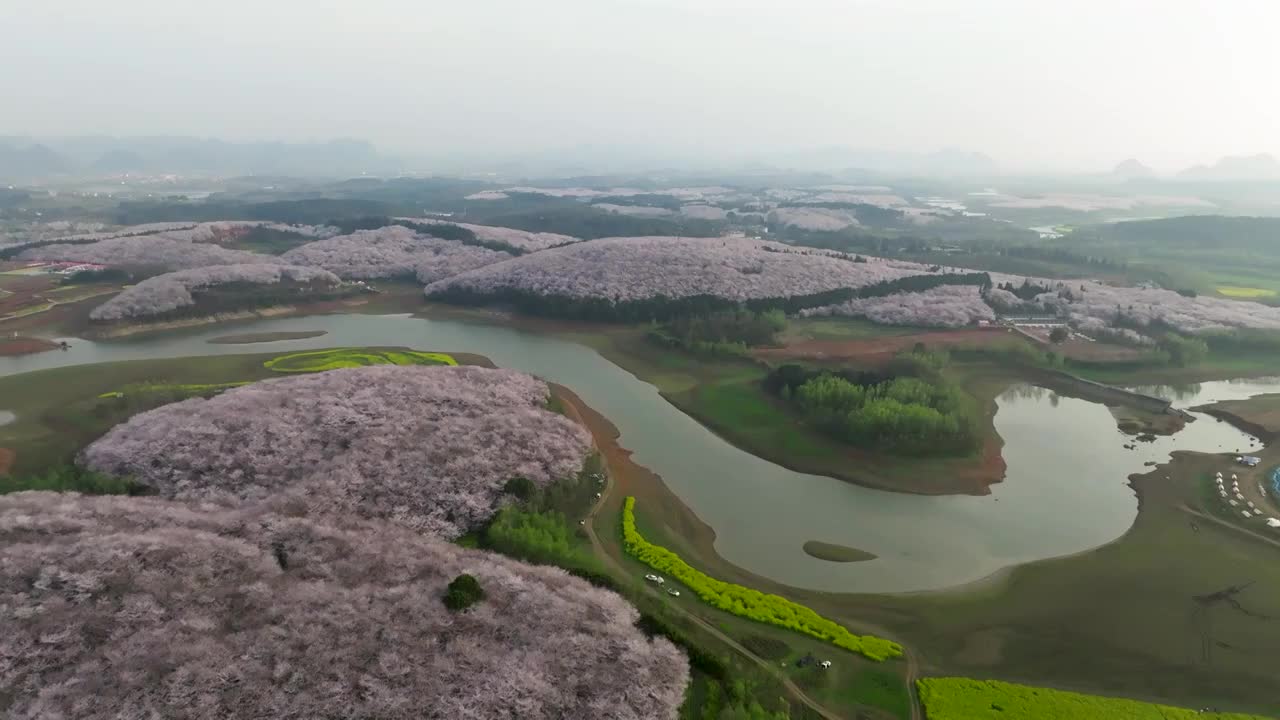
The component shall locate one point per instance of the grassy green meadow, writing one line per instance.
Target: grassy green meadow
(61, 410)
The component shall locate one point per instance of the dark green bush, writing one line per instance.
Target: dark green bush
(463, 592)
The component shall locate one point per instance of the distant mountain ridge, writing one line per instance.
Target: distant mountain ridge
(26, 159)
(1132, 169)
(1261, 234)
(949, 162)
(18, 162)
(1236, 167)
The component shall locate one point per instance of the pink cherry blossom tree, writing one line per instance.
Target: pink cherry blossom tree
(623, 269)
(949, 306)
(431, 448)
(140, 607)
(393, 251)
(171, 291)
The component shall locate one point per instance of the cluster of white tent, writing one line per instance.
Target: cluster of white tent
(1235, 499)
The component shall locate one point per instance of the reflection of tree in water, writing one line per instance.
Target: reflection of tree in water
(1022, 391)
(1186, 391)
(1254, 381)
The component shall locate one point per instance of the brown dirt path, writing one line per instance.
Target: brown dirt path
(622, 475)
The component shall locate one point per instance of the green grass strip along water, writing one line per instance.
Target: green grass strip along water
(965, 699)
(746, 602)
(140, 388)
(338, 358)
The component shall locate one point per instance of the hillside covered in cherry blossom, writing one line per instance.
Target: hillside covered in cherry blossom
(949, 306)
(159, 251)
(393, 252)
(119, 607)
(170, 246)
(628, 269)
(479, 263)
(176, 290)
(513, 239)
(430, 448)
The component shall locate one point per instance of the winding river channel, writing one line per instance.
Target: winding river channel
(1065, 490)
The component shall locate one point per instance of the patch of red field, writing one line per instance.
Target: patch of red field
(7, 457)
(881, 348)
(22, 290)
(25, 346)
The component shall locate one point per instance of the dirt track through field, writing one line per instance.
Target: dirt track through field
(605, 437)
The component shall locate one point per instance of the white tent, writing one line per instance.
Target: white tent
(1234, 503)
(1233, 476)
(1246, 513)
(1273, 522)
(1219, 475)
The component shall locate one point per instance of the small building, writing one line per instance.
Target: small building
(1249, 460)
(1273, 522)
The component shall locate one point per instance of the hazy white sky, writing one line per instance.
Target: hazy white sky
(1070, 84)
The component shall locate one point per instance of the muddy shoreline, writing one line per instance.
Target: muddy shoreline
(10, 347)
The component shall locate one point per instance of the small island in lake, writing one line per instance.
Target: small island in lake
(248, 338)
(836, 553)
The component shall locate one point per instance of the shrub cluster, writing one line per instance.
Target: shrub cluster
(729, 332)
(745, 601)
(903, 415)
(463, 592)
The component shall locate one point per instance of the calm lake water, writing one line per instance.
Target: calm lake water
(1065, 491)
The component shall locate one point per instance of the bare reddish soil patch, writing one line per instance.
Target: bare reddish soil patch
(882, 348)
(1079, 349)
(25, 346)
(6, 460)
